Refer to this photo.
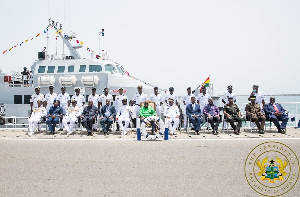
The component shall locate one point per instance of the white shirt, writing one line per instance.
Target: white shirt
(156, 98)
(95, 99)
(118, 101)
(80, 99)
(124, 111)
(102, 99)
(259, 97)
(172, 96)
(34, 98)
(171, 111)
(225, 97)
(39, 112)
(138, 98)
(63, 99)
(187, 99)
(74, 111)
(203, 100)
(50, 98)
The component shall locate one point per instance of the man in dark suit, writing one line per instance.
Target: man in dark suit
(275, 112)
(107, 114)
(193, 111)
(89, 115)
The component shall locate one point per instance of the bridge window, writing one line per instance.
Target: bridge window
(71, 69)
(60, 69)
(82, 68)
(95, 68)
(41, 69)
(110, 68)
(51, 69)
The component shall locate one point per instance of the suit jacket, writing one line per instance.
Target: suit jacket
(269, 109)
(90, 111)
(111, 109)
(190, 111)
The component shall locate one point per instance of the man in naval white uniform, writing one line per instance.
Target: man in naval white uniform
(94, 97)
(104, 97)
(259, 96)
(229, 94)
(37, 114)
(186, 101)
(64, 99)
(71, 116)
(50, 97)
(64, 102)
(123, 115)
(78, 97)
(158, 100)
(171, 113)
(171, 95)
(119, 99)
(202, 98)
(139, 98)
(35, 97)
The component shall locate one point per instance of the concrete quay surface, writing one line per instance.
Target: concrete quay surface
(115, 165)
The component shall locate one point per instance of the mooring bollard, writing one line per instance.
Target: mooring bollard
(138, 130)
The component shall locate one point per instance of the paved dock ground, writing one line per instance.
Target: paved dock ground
(115, 165)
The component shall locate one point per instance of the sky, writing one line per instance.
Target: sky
(169, 42)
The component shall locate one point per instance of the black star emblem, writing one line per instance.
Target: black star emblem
(272, 161)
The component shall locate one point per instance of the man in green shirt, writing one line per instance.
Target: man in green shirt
(147, 111)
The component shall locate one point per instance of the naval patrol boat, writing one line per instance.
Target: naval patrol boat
(69, 71)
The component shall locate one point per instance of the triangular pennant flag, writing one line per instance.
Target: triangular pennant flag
(4, 51)
(38, 35)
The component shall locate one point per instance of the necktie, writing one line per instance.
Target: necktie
(276, 109)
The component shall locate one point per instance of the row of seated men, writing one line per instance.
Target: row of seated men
(210, 111)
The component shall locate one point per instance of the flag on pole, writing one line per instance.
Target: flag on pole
(206, 83)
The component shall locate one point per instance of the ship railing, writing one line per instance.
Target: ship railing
(293, 113)
(18, 80)
(15, 122)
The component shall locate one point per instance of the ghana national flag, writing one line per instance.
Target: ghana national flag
(206, 82)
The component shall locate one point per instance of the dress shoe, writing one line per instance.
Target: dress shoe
(236, 132)
(261, 131)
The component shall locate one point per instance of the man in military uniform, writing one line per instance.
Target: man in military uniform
(54, 115)
(138, 98)
(147, 111)
(104, 97)
(229, 94)
(89, 115)
(259, 96)
(35, 117)
(202, 98)
(171, 113)
(232, 113)
(254, 111)
(64, 100)
(94, 97)
(171, 95)
(50, 97)
(107, 115)
(118, 101)
(35, 97)
(212, 114)
(72, 115)
(124, 115)
(158, 100)
(78, 97)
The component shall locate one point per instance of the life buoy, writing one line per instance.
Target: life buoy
(161, 128)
